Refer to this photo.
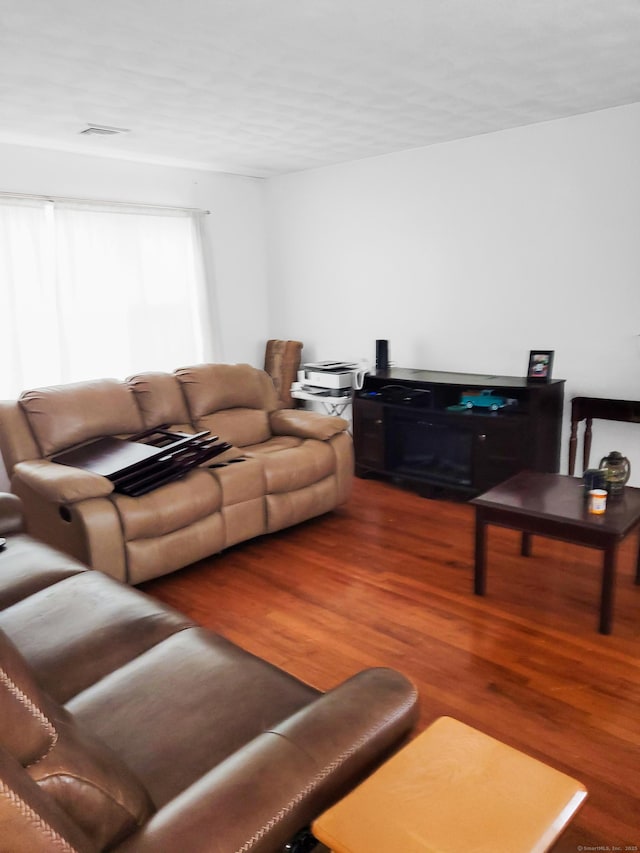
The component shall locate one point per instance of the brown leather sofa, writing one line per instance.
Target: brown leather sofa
(296, 465)
(124, 726)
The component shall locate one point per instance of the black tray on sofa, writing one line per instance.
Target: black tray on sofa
(138, 464)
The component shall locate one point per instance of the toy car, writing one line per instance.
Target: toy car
(483, 400)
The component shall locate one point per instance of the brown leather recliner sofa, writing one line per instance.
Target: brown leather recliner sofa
(297, 465)
(124, 726)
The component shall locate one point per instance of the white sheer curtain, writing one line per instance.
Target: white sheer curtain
(91, 290)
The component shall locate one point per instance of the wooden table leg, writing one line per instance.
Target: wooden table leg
(638, 563)
(586, 447)
(525, 546)
(480, 565)
(608, 582)
(573, 444)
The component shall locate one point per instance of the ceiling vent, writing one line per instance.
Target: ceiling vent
(103, 130)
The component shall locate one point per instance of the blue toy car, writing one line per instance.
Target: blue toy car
(483, 400)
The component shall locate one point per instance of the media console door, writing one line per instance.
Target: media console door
(500, 452)
(369, 437)
(407, 424)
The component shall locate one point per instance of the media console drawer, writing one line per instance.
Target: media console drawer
(409, 424)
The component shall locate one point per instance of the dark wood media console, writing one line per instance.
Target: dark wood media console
(403, 427)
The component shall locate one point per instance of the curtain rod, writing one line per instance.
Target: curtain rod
(142, 205)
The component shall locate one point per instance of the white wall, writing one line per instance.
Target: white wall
(467, 255)
(235, 227)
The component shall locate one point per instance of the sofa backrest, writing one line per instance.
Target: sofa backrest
(76, 773)
(17, 442)
(64, 415)
(160, 400)
(230, 400)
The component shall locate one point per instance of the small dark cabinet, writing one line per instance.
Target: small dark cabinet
(368, 430)
(408, 424)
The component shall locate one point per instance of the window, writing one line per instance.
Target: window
(90, 290)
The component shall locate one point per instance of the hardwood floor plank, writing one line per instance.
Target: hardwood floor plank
(387, 580)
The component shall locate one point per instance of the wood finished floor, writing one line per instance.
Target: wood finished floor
(387, 580)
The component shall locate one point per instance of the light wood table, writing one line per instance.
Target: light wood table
(453, 790)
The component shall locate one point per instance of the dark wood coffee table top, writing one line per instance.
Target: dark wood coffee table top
(555, 505)
(561, 498)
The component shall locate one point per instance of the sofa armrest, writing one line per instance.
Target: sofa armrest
(11, 518)
(303, 424)
(61, 483)
(258, 799)
(31, 819)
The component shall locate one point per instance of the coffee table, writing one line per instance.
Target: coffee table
(554, 505)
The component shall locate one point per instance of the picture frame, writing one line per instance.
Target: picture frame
(540, 365)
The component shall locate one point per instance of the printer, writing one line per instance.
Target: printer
(328, 378)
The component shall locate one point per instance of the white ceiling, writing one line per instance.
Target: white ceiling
(265, 87)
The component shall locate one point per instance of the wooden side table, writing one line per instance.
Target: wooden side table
(553, 505)
(451, 790)
(586, 409)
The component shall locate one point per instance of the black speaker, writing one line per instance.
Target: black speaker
(382, 355)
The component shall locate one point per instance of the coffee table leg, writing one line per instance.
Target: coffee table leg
(525, 547)
(608, 580)
(480, 570)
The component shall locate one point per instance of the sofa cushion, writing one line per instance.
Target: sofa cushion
(169, 507)
(76, 631)
(287, 508)
(27, 566)
(211, 388)
(232, 401)
(87, 780)
(292, 469)
(227, 695)
(240, 481)
(63, 415)
(239, 427)
(160, 400)
(272, 445)
(151, 558)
